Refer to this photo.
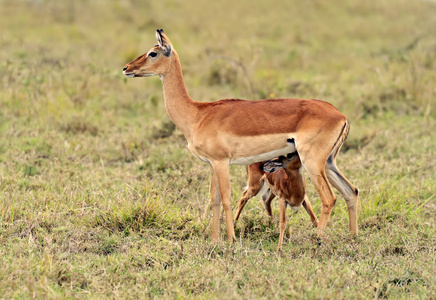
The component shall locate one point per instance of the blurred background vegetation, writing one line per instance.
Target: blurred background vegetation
(94, 176)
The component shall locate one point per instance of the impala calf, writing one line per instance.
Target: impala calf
(288, 181)
(234, 131)
(289, 186)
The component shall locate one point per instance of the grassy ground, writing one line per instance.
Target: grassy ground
(99, 197)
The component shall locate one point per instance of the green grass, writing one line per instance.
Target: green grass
(99, 197)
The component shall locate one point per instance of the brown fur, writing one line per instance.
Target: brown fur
(289, 186)
(286, 183)
(229, 130)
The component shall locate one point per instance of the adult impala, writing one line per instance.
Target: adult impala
(234, 131)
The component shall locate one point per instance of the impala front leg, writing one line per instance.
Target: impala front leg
(215, 204)
(222, 190)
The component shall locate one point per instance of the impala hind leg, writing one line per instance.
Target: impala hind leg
(348, 191)
(221, 188)
(308, 208)
(317, 174)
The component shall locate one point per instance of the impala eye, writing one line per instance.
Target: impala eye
(152, 54)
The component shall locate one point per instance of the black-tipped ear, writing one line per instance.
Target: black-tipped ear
(261, 167)
(164, 43)
(291, 155)
(159, 37)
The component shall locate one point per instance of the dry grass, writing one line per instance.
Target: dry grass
(99, 197)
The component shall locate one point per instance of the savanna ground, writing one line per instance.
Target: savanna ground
(99, 197)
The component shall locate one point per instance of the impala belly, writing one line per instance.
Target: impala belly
(263, 156)
(242, 150)
(261, 148)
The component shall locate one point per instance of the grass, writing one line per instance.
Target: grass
(99, 197)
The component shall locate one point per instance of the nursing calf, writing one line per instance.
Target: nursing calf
(285, 181)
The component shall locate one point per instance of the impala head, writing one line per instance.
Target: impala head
(291, 161)
(154, 62)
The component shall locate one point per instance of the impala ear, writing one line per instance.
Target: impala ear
(292, 155)
(164, 42)
(159, 37)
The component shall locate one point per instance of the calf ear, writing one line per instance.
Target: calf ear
(292, 155)
(271, 166)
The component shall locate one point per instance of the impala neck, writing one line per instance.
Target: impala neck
(180, 107)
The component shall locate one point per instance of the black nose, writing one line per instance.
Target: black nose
(125, 68)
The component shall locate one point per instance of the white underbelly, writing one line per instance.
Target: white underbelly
(290, 147)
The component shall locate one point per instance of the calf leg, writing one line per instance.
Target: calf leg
(254, 186)
(267, 198)
(308, 208)
(282, 206)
